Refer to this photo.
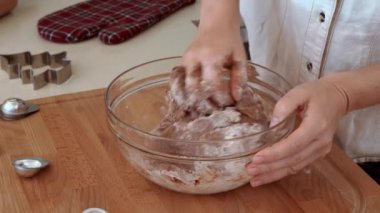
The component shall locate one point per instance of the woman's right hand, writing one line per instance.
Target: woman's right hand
(6, 6)
(216, 48)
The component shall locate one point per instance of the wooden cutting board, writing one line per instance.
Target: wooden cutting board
(87, 170)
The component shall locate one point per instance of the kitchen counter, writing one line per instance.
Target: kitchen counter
(94, 64)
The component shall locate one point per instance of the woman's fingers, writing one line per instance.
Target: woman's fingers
(281, 173)
(177, 85)
(306, 144)
(288, 166)
(238, 78)
(213, 80)
(289, 103)
(203, 85)
(192, 83)
(293, 163)
(295, 142)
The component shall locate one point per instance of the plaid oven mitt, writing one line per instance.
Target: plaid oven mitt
(114, 21)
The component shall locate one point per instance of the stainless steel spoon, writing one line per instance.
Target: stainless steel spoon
(15, 108)
(29, 166)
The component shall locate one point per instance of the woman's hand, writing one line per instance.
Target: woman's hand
(217, 48)
(321, 104)
(6, 6)
(214, 50)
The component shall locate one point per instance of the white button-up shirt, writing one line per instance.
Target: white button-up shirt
(305, 39)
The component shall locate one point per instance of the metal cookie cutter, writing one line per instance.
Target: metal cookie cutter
(22, 65)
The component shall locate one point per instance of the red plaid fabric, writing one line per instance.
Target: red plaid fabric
(113, 20)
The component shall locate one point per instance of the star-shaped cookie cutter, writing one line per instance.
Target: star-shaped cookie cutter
(22, 65)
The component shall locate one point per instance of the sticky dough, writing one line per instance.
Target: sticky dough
(203, 119)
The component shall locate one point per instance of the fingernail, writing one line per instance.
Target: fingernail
(255, 183)
(239, 91)
(257, 159)
(253, 171)
(274, 121)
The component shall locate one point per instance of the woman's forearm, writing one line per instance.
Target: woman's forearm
(361, 87)
(219, 14)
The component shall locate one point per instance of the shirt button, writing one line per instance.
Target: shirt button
(309, 66)
(322, 16)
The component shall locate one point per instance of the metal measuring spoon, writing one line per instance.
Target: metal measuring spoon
(15, 108)
(29, 166)
(94, 210)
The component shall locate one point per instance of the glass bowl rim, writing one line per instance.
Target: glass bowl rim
(111, 113)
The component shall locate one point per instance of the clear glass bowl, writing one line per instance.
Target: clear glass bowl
(134, 102)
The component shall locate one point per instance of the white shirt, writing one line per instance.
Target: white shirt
(305, 39)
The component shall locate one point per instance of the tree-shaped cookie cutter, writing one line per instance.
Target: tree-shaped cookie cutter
(22, 65)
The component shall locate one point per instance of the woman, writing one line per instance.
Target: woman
(328, 48)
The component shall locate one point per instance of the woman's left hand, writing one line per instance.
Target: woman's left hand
(321, 104)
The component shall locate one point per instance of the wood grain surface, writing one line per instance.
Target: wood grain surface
(88, 170)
